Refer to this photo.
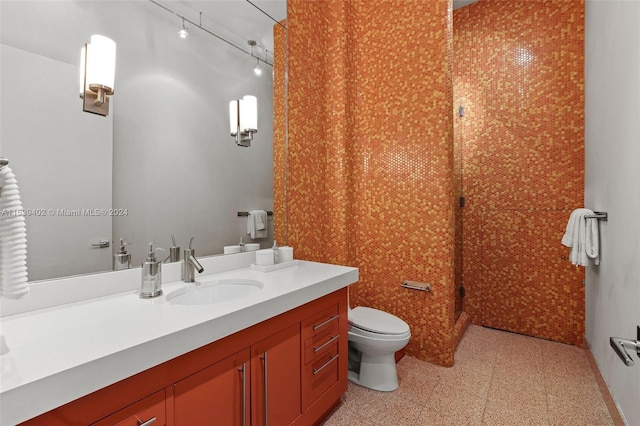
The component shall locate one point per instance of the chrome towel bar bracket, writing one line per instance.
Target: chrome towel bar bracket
(599, 216)
(247, 213)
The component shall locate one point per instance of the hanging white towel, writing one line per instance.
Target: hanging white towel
(581, 236)
(257, 224)
(13, 239)
(592, 241)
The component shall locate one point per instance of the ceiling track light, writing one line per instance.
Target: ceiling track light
(258, 69)
(183, 32)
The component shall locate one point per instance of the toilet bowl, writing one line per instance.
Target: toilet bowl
(374, 338)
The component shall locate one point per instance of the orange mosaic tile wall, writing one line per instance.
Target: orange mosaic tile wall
(280, 133)
(518, 73)
(371, 154)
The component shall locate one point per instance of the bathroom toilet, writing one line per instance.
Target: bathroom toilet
(374, 338)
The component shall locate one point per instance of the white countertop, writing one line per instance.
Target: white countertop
(55, 355)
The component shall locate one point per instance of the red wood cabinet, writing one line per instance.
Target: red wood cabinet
(321, 350)
(148, 411)
(219, 394)
(275, 378)
(288, 370)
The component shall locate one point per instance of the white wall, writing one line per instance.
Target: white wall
(44, 135)
(613, 184)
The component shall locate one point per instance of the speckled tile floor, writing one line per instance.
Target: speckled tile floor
(499, 378)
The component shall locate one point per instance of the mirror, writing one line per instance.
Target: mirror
(163, 162)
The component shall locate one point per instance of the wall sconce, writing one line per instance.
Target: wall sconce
(243, 119)
(97, 74)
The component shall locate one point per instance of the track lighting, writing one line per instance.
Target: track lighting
(257, 70)
(184, 30)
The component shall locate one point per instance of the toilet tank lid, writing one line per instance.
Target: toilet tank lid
(377, 321)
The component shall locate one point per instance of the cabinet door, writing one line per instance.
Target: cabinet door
(219, 394)
(275, 378)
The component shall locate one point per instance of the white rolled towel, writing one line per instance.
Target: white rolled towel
(13, 239)
(581, 236)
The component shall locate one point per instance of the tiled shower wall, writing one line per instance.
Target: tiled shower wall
(519, 74)
(370, 155)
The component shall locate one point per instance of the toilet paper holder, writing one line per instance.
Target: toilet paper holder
(415, 285)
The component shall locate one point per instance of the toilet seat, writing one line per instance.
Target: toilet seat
(374, 322)
(355, 330)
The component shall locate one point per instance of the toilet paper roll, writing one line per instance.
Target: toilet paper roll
(264, 257)
(286, 253)
(251, 247)
(231, 249)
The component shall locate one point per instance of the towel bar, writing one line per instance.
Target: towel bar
(414, 285)
(598, 215)
(247, 213)
(3, 162)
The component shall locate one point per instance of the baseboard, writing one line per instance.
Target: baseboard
(604, 389)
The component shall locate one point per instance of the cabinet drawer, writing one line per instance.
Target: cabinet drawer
(320, 321)
(317, 346)
(318, 376)
(139, 413)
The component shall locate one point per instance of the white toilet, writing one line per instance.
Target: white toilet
(374, 338)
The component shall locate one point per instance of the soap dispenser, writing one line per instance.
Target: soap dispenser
(122, 259)
(276, 252)
(151, 285)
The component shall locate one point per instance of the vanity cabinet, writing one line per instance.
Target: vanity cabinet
(219, 394)
(288, 370)
(275, 378)
(320, 353)
(258, 383)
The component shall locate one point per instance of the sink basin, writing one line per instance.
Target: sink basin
(214, 291)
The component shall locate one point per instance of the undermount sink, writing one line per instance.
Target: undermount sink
(214, 291)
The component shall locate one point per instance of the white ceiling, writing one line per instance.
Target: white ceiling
(236, 20)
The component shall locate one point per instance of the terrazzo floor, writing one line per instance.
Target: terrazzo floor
(499, 378)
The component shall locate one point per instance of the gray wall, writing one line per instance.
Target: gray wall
(612, 185)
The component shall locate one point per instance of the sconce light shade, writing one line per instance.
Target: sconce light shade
(234, 116)
(243, 119)
(97, 74)
(249, 114)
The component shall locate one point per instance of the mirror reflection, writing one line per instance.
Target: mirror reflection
(163, 161)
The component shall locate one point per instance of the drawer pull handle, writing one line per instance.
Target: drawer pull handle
(147, 423)
(243, 371)
(325, 344)
(322, 324)
(266, 388)
(317, 370)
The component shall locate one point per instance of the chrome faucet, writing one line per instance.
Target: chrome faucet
(190, 264)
